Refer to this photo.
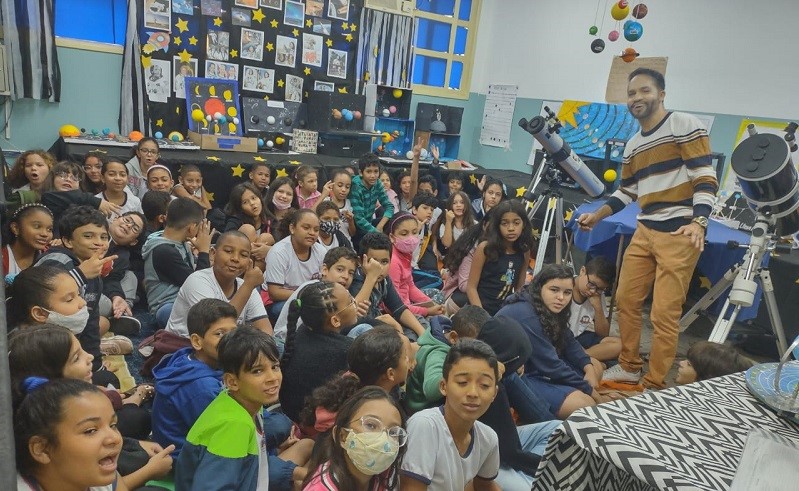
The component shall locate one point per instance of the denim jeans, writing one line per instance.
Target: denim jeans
(531, 407)
(163, 313)
(534, 439)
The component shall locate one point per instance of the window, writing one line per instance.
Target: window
(446, 32)
(97, 21)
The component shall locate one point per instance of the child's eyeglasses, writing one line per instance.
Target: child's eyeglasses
(67, 176)
(371, 424)
(147, 151)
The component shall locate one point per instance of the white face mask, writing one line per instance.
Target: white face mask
(75, 322)
(371, 453)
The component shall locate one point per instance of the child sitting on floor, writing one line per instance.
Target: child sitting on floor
(707, 359)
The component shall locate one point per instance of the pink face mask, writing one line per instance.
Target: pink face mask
(279, 205)
(407, 245)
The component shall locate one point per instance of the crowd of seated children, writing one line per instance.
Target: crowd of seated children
(456, 219)
(159, 178)
(307, 192)
(492, 193)
(589, 314)
(26, 235)
(93, 172)
(245, 212)
(385, 179)
(30, 171)
(330, 234)
(145, 155)
(115, 182)
(154, 205)
(260, 176)
(61, 190)
(190, 185)
(280, 200)
(339, 190)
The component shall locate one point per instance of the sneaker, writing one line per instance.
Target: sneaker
(116, 345)
(618, 374)
(125, 326)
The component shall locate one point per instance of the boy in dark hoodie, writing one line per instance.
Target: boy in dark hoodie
(188, 380)
(167, 259)
(84, 233)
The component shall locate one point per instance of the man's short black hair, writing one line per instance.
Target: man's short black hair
(207, 311)
(79, 216)
(182, 212)
(660, 81)
(424, 199)
(377, 241)
(368, 160)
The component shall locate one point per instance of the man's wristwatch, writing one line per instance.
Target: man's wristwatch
(702, 221)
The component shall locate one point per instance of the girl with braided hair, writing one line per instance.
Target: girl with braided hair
(558, 370)
(315, 350)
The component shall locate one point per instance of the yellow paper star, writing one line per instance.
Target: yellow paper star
(329, 43)
(568, 215)
(193, 41)
(257, 15)
(238, 171)
(520, 191)
(353, 27)
(215, 159)
(309, 22)
(177, 40)
(210, 195)
(306, 93)
(145, 61)
(473, 179)
(376, 51)
(281, 173)
(182, 25)
(147, 49)
(295, 32)
(185, 56)
(281, 83)
(704, 282)
(270, 46)
(367, 76)
(569, 110)
(294, 162)
(159, 123)
(234, 53)
(342, 90)
(273, 23)
(307, 71)
(258, 158)
(217, 22)
(348, 37)
(345, 26)
(177, 110)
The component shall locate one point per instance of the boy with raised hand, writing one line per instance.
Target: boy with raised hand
(447, 446)
(187, 381)
(225, 449)
(84, 234)
(168, 261)
(365, 193)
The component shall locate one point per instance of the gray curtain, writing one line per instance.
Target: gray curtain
(133, 113)
(385, 50)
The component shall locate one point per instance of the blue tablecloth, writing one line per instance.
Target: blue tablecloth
(716, 259)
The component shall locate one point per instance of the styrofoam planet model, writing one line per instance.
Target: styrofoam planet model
(348, 116)
(260, 142)
(629, 54)
(176, 136)
(280, 140)
(386, 113)
(640, 11)
(357, 114)
(69, 130)
(597, 45)
(270, 120)
(270, 143)
(409, 155)
(336, 114)
(197, 115)
(397, 93)
(392, 109)
(633, 31)
(424, 154)
(609, 175)
(135, 136)
(618, 12)
(159, 135)
(222, 119)
(106, 131)
(217, 115)
(593, 30)
(613, 35)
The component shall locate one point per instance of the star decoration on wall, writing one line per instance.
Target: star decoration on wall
(342, 90)
(177, 40)
(145, 61)
(568, 215)
(258, 158)
(215, 159)
(281, 173)
(281, 83)
(193, 41)
(520, 191)
(329, 43)
(234, 53)
(345, 26)
(367, 76)
(307, 71)
(257, 15)
(353, 27)
(348, 37)
(217, 22)
(210, 196)
(159, 123)
(273, 23)
(295, 31)
(704, 282)
(147, 49)
(270, 46)
(376, 51)
(237, 171)
(182, 25)
(473, 179)
(309, 23)
(294, 162)
(185, 56)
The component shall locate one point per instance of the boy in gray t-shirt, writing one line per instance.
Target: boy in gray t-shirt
(447, 446)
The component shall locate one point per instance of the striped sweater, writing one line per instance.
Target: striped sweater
(668, 170)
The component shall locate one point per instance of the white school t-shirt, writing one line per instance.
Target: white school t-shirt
(281, 324)
(284, 268)
(202, 284)
(132, 203)
(333, 243)
(433, 458)
(582, 315)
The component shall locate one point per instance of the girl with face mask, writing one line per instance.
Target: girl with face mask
(364, 449)
(47, 294)
(330, 232)
(404, 235)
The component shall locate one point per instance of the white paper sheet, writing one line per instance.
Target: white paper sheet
(498, 115)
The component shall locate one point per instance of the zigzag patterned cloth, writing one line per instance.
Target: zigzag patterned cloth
(688, 437)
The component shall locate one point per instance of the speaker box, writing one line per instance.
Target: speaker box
(321, 106)
(342, 144)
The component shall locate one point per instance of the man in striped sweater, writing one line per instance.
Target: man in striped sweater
(667, 169)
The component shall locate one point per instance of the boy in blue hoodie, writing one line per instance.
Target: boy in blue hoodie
(167, 259)
(226, 449)
(187, 381)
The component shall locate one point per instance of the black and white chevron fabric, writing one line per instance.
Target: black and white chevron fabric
(688, 437)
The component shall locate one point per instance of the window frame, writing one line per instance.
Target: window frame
(88, 44)
(467, 59)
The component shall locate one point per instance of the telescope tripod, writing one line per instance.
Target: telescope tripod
(742, 279)
(553, 216)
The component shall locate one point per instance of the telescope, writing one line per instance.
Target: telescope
(545, 130)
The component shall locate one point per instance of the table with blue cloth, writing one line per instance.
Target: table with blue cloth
(612, 234)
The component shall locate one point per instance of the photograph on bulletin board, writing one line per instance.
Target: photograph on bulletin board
(212, 106)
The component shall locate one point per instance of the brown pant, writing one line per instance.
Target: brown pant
(668, 262)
